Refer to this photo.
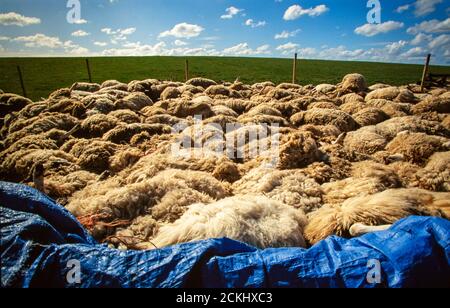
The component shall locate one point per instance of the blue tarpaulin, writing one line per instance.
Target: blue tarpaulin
(42, 244)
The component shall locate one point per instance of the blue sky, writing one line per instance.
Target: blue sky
(318, 29)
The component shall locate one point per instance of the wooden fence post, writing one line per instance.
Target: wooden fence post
(186, 70)
(294, 69)
(89, 70)
(425, 72)
(22, 84)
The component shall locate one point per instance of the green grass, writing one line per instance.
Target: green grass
(44, 75)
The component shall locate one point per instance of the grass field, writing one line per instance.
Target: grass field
(44, 75)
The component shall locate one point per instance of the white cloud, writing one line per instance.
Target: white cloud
(374, 29)
(425, 7)
(4, 38)
(119, 34)
(78, 51)
(101, 44)
(128, 31)
(307, 52)
(296, 11)
(39, 40)
(396, 47)
(253, 24)
(80, 33)
(243, 49)
(179, 43)
(402, 8)
(139, 49)
(431, 26)
(286, 34)
(15, 19)
(442, 40)
(416, 52)
(288, 48)
(421, 38)
(231, 12)
(80, 21)
(183, 30)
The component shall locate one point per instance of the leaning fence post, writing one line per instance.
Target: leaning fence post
(22, 84)
(186, 70)
(89, 70)
(425, 72)
(294, 69)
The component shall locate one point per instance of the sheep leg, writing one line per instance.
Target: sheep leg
(359, 229)
(38, 177)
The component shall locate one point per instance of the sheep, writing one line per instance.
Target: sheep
(126, 116)
(388, 93)
(124, 158)
(379, 209)
(93, 155)
(31, 110)
(170, 92)
(134, 101)
(416, 147)
(99, 103)
(365, 140)
(167, 120)
(201, 82)
(352, 107)
(323, 105)
(292, 187)
(280, 94)
(390, 128)
(325, 88)
(353, 83)
(85, 86)
(239, 106)
(17, 165)
(436, 174)
(438, 104)
(190, 159)
(222, 120)
(183, 109)
(392, 109)
(262, 119)
(40, 124)
(124, 132)
(370, 116)
(224, 110)
(318, 116)
(11, 102)
(255, 220)
(128, 201)
(61, 187)
(322, 133)
(297, 150)
(218, 90)
(351, 98)
(67, 105)
(366, 178)
(97, 125)
(135, 236)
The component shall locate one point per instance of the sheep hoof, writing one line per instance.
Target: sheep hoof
(359, 229)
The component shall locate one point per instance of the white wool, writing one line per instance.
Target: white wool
(255, 220)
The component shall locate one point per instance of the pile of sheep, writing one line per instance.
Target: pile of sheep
(348, 154)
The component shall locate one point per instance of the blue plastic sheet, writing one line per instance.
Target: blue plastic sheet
(40, 240)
